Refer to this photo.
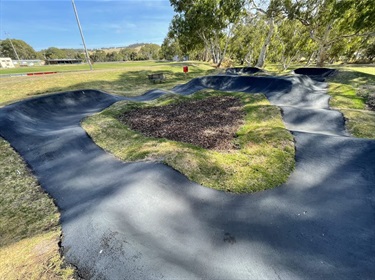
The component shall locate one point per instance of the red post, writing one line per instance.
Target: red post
(185, 69)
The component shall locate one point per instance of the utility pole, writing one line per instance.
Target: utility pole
(80, 30)
(14, 49)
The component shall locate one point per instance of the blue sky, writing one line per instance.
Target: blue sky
(105, 23)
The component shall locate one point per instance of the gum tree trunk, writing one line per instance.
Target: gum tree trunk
(263, 52)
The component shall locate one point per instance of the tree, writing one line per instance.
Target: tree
(246, 43)
(114, 56)
(370, 51)
(272, 13)
(129, 54)
(330, 21)
(24, 50)
(54, 53)
(98, 56)
(291, 41)
(205, 24)
(169, 49)
(149, 52)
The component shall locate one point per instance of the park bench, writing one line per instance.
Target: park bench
(156, 77)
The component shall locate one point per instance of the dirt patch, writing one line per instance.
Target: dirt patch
(210, 123)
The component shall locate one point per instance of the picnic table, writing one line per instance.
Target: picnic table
(156, 77)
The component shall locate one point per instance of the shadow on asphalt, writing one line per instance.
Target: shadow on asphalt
(147, 221)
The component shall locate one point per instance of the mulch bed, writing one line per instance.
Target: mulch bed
(210, 123)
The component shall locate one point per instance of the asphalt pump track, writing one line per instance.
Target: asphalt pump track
(145, 220)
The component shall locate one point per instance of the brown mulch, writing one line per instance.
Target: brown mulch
(210, 123)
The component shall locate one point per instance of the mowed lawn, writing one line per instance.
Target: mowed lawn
(129, 79)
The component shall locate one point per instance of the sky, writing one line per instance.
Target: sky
(105, 23)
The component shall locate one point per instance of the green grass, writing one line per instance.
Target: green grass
(82, 67)
(265, 158)
(129, 80)
(29, 227)
(351, 89)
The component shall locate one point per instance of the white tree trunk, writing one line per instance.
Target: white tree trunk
(226, 45)
(263, 52)
(249, 57)
(310, 58)
(323, 46)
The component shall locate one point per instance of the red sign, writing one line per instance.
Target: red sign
(185, 69)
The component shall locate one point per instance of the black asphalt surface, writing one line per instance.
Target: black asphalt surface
(242, 70)
(315, 72)
(146, 221)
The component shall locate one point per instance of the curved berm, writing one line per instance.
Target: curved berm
(145, 220)
(315, 72)
(243, 70)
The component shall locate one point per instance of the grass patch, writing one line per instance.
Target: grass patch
(128, 79)
(29, 227)
(353, 93)
(264, 158)
(360, 123)
(85, 67)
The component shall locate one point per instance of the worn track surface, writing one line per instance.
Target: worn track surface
(147, 221)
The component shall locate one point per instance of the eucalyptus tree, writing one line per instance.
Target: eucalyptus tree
(149, 52)
(291, 42)
(272, 13)
(205, 24)
(169, 49)
(246, 43)
(129, 54)
(330, 21)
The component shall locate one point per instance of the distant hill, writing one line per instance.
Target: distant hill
(133, 46)
(136, 47)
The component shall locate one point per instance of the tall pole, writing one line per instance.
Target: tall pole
(14, 49)
(83, 39)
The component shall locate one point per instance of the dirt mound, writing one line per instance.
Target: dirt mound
(210, 123)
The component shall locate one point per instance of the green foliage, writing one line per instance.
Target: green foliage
(98, 56)
(129, 54)
(149, 52)
(55, 53)
(169, 49)
(114, 56)
(24, 50)
(283, 31)
(370, 51)
(246, 43)
(331, 21)
(201, 24)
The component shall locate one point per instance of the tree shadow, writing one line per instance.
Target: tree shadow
(145, 220)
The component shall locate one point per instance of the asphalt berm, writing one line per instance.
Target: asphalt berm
(243, 70)
(318, 72)
(147, 221)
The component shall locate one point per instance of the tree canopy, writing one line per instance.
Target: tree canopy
(24, 50)
(256, 31)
